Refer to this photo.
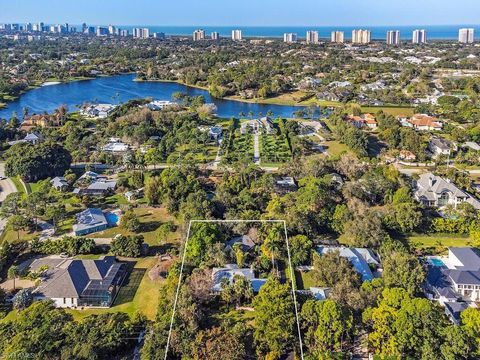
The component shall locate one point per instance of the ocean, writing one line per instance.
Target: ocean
(437, 32)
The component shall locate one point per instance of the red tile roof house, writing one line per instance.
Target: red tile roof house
(363, 120)
(423, 122)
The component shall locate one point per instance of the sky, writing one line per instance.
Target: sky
(243, 12)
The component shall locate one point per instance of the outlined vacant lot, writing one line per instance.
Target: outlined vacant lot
(228, 292)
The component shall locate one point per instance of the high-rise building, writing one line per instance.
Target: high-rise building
(141, 33)
(466, 36)
(215, 35)
(198, 35)
(101, 31)
(237, 35)
(159, 35)
(312, 37)
(393, 37)
(290, 38)
(419, 36)
(338, 37)
(124, 32)
(111, 29)
(84, 28)
(28, 27)
(361, 36)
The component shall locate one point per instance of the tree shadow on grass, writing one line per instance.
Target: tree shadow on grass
(130, 284)
(150, 226)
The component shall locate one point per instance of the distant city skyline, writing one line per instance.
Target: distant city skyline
(245, 13)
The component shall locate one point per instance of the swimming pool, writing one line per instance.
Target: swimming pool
(436, 262)
(112, 218)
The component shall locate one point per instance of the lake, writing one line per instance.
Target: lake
(121, 88)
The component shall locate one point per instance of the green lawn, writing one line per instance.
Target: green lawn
(274, 149)
(19, 185)
(335, 148)
(242, 146)
(440, 241)
(202, 154)
(304, 280)
(139, 294)
(151, 219)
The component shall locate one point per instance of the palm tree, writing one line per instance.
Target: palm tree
(25, 112)
(12, 274)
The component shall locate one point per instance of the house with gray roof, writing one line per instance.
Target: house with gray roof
(245, 242)
(97, 188)
(72, 283)
(360, 258)
(456, 276)
(59, 183)
(90, 221)
(434, 191)
(227, 273)
(440, 146)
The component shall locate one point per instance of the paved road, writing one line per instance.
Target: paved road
(6, 187)
(256, 149)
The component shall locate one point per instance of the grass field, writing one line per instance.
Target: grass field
(439, 241)
(242, 146)
(139, 294)
(274, 149)
(335, 148)
(304, 280)
(151, 219)
(19, 185)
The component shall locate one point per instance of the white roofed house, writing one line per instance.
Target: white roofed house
(59, 183)
(434, 191)
(454, 281)
(33, 138)
(258, 125)
(100, 111)
(360, 258)
(227, 273)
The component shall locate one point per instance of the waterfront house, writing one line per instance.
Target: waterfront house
(90, 221)
(100, 111)
(434, 191)
(258, 125)
(72, 283)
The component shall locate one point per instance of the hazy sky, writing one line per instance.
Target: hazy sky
(243, 12)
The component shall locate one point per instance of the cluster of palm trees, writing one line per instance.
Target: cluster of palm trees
(56, 119)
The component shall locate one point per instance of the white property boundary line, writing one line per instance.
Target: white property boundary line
(292, 274)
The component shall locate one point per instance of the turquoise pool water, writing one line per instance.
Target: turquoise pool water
(112, 219)
(436, 262)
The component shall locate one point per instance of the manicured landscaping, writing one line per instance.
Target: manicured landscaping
(274, 149)
(439, 240)
(139, 294)
(242, 146)
(151, 219)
